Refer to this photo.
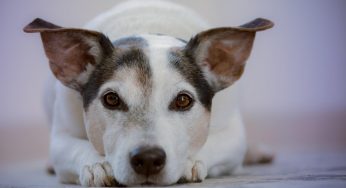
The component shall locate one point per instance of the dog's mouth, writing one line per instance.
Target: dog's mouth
(151, 183)
(117, 184)
(148, 183)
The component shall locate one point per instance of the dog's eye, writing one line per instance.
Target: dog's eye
(112, 101)
(182, 102)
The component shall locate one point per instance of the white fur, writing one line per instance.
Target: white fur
(75, 158)
(150, 16)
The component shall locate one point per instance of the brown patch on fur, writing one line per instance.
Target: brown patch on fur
(199, 132)
(95, 131)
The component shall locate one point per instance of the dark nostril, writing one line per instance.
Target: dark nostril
(158, 162)
(147, 160)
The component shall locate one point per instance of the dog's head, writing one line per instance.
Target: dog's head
(147, 98)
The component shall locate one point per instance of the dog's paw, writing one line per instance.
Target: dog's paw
(97, 175)
(195, 171)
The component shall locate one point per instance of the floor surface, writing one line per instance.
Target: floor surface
(290, 169)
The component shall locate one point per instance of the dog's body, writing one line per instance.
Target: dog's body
(149, 91)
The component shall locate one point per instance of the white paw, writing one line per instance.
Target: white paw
(195, 171)
(97, 175)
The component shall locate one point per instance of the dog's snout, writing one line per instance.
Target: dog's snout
(147, 160)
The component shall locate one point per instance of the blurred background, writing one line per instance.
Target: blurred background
(293, 92)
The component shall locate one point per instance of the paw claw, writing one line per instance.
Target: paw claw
(194, 172)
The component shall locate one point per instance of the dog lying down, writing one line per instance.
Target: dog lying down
(131, 101)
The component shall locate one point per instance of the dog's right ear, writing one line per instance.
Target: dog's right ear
(72, 53)
(222, 52)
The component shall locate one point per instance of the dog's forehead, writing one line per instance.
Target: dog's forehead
(153, 62)
(172, 69)
(161, 41)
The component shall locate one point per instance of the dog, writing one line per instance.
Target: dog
(131, 99)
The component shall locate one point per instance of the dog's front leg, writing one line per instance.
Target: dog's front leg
(76, 161)
(74, 158)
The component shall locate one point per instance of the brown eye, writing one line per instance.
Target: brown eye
(182, 102)
(111, 100)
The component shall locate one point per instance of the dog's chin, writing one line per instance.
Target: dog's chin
(150, 181)
(145, 183)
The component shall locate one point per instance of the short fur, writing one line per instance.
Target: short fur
(91, 143)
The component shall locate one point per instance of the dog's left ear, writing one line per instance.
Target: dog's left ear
(222, 52)
(72, 53)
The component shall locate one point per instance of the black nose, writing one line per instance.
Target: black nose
(148, 160)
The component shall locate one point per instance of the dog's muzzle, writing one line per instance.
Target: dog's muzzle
(147, 160)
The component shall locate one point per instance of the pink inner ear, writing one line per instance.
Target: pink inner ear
(67, 65)
(68, 56)
(222, 60)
